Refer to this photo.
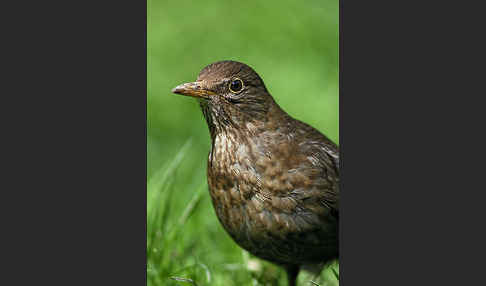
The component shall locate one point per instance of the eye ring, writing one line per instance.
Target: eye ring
(236, 85)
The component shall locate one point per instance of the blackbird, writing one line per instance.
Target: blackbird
(273, 180)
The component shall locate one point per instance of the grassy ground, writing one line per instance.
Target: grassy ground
(294, 48)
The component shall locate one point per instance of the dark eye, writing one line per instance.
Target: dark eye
(236, 85)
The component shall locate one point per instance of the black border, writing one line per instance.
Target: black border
(74, 149)
(410, 201)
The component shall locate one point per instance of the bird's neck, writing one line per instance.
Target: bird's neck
(243, 126)
(245, 139)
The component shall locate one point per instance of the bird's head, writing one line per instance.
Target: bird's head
(231, 94)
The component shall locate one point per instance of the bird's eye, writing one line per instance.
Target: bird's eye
(236, 85)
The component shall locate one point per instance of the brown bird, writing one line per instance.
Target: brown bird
(273, 180)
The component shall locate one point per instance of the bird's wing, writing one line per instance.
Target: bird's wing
(321, 168)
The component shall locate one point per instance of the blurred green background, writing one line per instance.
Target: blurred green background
(293, 46)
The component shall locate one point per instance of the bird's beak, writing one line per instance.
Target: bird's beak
(193, 89)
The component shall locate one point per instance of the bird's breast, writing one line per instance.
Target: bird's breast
(251, 194)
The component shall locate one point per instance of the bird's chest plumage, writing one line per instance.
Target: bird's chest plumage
(235, 184)
(232, 178)
(251, 194)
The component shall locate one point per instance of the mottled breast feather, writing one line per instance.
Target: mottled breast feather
(281, 204)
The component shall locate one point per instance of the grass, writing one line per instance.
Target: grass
(294, 48)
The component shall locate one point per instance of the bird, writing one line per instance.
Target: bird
(273, 180)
